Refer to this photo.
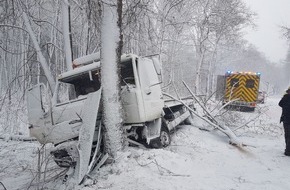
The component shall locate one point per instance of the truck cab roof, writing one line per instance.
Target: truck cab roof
(67, 76)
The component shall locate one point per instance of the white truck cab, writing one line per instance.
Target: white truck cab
(141, 96)
(147, 116)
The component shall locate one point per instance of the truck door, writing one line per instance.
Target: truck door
(150, 89)
(130, 92)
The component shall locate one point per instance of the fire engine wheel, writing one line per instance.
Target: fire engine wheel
(163, 141)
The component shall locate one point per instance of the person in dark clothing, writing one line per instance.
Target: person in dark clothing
(285, 118)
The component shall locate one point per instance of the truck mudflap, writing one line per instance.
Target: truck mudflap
(86, 135)
(153, 129)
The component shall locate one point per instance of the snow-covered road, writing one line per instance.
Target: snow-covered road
(196, 159)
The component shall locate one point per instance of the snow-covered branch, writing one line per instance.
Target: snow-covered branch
(42, 59)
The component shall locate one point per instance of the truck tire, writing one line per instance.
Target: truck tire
(163, 140)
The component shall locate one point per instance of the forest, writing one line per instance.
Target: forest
(196, 40)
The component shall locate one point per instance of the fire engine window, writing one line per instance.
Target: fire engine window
(250, 83)
(127, 74)
(235, 82)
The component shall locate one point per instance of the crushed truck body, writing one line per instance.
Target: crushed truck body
(72, 119)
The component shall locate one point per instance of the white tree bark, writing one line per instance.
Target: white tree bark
(42, 59)
(198, 73)
(112, 115)
(66, 34)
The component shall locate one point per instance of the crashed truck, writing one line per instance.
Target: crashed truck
(149, 117)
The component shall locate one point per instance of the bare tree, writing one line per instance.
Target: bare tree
(212, 23)
(110, 57)
(286, 32)
(287, 67)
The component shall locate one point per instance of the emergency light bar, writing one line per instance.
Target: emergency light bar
(247, 72)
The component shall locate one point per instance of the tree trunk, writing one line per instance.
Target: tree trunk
(110, 56)
(66, 34)
(198, 73)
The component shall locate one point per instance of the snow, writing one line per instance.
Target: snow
(196, 159)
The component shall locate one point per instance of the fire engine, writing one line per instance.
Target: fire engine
(241, 90)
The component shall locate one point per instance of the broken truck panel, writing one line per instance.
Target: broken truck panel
(153, 129)
(39, 118)
(35, 105)
(86, 135)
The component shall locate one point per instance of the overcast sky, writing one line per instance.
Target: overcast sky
(267, 35)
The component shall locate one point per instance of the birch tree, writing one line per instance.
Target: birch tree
(110, 57)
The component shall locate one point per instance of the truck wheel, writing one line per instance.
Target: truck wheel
(163, 141)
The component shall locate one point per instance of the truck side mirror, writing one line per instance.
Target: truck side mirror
(157, 65)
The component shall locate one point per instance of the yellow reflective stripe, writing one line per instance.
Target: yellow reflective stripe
(242, 92)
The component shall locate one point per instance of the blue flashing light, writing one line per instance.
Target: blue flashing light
(228, 73)
(258, 73)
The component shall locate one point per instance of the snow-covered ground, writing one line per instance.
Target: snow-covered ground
(196, 159)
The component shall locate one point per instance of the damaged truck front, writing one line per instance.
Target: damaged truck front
(71, 118)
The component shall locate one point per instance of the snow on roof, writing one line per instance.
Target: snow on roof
(79, 70)
(125, 58)
(92, 66)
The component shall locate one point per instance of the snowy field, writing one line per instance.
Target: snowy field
(195, 160)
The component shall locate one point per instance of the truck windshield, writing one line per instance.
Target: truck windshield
(78, 86)
(127, 74)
